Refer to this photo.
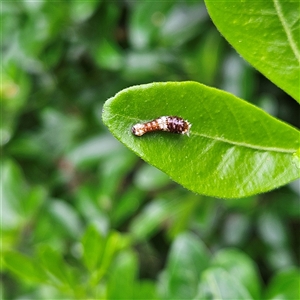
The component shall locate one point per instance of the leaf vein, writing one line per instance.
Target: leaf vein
(242, 144)
(286, 29)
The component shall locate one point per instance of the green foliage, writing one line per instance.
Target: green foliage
(229, 142)
(82, 217)
(190, 272)
(97, 259)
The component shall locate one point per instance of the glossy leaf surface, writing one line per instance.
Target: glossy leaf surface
(266, 34)
(234, 149)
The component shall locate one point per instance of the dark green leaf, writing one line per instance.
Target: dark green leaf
(150, 219)
(265, 33)
(273, 230)
(182, 22)
(275, 235)
(144, 290)
(181, 214)
(128, 204)
(82, 10)
(186, 261)
(240, 267)
(113, 170)
(234, 148)
(14, 193)
(142, 33)
(108, 55)
(87, 205)
(54, 264)
(114, 243)
(216, 283)
(93, 246)
(121, 283)
(284, 285)
(65, 217)
(92, 150)
(236, 228)
(24, 267)
(15, 86)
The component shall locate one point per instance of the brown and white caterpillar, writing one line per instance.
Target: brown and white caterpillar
(166, 123)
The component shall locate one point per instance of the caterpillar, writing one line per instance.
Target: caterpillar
(171, 124)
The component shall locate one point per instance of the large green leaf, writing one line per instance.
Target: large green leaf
(234, 148)
(266, 34)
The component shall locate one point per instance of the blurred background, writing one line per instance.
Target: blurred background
(63, 173)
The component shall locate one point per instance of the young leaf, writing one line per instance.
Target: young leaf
(234, 149)
(266, 34)
(148, 221)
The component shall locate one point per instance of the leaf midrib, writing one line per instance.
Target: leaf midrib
(240, 144)
(286, 29)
